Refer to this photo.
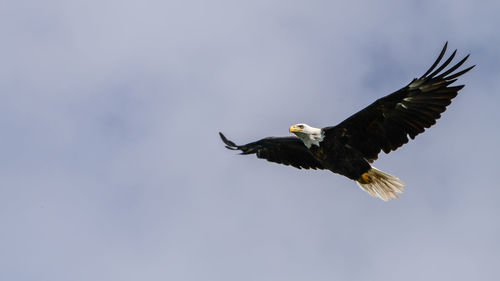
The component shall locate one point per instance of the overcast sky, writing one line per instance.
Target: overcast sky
(111, 166)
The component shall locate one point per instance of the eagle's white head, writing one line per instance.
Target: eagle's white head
(309, 135)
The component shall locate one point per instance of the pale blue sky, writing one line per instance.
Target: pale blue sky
(111, 167)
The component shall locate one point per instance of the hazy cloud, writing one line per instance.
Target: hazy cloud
(112, 168)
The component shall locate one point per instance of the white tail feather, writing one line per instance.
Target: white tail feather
(381, 185)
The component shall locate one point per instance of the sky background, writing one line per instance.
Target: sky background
(111, 167)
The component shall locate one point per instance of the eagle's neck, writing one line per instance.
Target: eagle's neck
(311, 136)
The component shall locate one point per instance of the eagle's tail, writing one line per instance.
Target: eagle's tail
(379, 184)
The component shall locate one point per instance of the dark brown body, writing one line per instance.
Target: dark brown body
(340, 158)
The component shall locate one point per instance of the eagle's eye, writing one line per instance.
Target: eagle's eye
(301, 126)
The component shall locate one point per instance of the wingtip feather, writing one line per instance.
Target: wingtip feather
(229, 144)
(440, 56)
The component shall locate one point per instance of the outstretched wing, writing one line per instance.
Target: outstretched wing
(282, 150)
(387, 123)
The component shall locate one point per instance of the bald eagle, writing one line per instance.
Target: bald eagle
(351, 146)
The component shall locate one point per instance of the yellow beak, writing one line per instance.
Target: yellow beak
(294, 129)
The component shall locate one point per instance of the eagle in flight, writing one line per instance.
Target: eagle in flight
(350, 147)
